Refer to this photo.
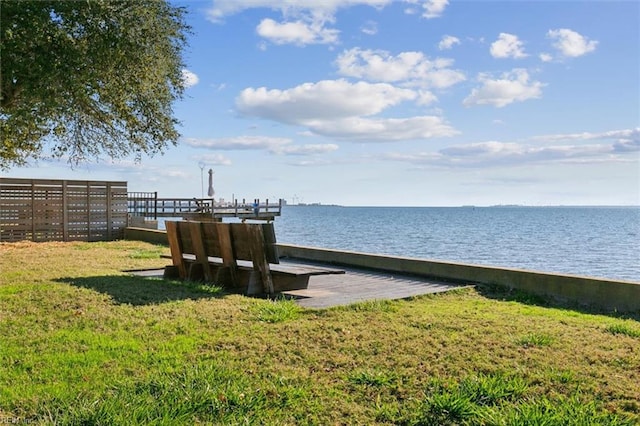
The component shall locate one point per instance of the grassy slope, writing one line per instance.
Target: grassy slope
(80, 341)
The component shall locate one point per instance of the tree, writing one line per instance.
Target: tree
(83, 79)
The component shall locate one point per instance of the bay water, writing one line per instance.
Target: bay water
(601, 242)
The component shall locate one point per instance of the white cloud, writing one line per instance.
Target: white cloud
(189, 78)
(448, 42)
(213, 159)
(512, 153)
(324, 100)
(305, 21)
(613, 134)
(507, 46)
(571, 44)
(369, 28)
(311, 162)
(545, 57)
(411, 68)
(514, 86)
(309, 149)
(507, 154)
(426, 97)
(142, 171)
(443, 78)
(614, 147)
(384, 129)
(627, 140)
(297, 32)
(627, 145)
(239, 143)
(434, 8)
(223, 8)
(273, 145)
(339, 109)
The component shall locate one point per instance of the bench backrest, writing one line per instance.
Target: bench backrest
(218, 238)
(242, 235)
(255, 242)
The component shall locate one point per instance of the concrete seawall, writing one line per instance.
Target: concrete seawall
(153, 236)
(610, 295)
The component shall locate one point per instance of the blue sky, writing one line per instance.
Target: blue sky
(410, 103)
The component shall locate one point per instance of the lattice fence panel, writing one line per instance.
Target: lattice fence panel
(62, 210)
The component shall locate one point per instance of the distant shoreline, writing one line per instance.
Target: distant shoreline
(496, 206)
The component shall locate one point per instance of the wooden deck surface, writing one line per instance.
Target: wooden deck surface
(355, 285)
(359, 285)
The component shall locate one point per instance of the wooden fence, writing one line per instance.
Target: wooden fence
(62, 210)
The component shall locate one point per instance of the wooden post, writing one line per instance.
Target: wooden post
(175, 244)
(65, 212)
(88, 211)
(109, 218)
(195, 228)
(260, 263)
(33, 211)
(226, 251)
(155, 205)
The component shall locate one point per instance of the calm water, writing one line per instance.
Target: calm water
(593, 241)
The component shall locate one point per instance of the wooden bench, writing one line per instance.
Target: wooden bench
(239, 256)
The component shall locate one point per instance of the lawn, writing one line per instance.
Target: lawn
(82, 342)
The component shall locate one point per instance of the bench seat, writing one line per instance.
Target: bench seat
(285, 277)
(238, 256)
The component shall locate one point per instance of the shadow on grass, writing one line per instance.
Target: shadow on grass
(136, 290)
(498, 292)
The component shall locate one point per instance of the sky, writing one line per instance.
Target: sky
(400, 103)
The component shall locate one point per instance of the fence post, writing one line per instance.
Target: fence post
(65, 212)
(33, 210)
(155, 205)
(109, 219)
(88, 211)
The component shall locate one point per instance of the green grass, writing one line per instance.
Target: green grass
(535, 339)
(371, 378)
(81, 342)
(624, 329)
(372, 306)
(153, 253)
(502, 400)
(279, 310)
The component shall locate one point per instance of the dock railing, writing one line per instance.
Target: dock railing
(148, 205)
(143, 204)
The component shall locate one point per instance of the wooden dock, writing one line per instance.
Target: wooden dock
(149, 206)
